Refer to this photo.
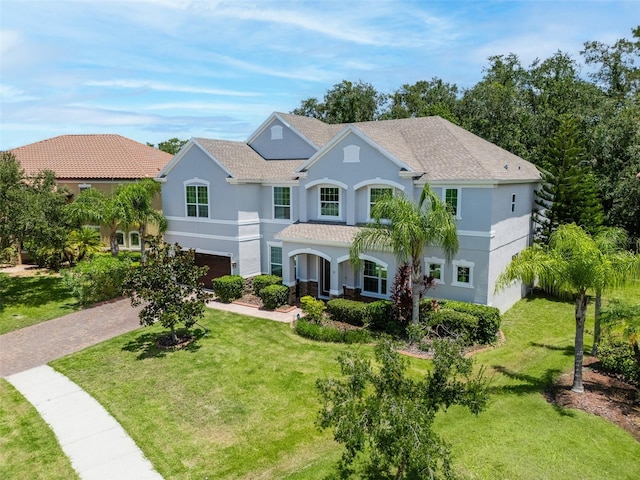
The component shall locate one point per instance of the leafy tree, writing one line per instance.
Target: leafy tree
(385, 418)
(172, 146)
(621, 314)
(137, 199)
(424, 98)
(81, 244)
(568, 193)
(406, 229)
(571, 265)
(168, 286)
(12, 200)
(346, 102)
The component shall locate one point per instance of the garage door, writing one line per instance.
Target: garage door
(218, 266)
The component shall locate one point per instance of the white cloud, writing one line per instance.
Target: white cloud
(165, 87)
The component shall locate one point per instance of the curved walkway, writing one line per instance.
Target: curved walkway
(96, 444)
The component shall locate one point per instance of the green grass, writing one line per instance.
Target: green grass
(28, 448)
(34, 299)
(241, 403)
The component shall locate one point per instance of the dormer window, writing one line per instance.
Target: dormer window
(276, 132)
(351, 154)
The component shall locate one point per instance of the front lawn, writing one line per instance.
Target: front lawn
(241, 402)
(27, 300)
(28, 447)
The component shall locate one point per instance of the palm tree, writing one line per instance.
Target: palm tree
(94, 206)
(138, 198)
(571, 264)
(405, 228)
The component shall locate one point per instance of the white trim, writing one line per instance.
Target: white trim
(273, 203)
(245, 238)
(326, 181)
(439, 261)
(340, 206)
(124, 238)
(476, 233)
(219, 221)
(378, 181)
(309, 251)
(351, 154)
(458, 215)
(196, 182)
(375, 260)
(131, 233)
(464, 264)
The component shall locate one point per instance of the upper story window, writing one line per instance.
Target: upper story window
(330, 202)
(452, 199)
(282, 203)
(276, 132)
(84, 186)
(197, 197)
(376, 193)
(351, 154)
(374, 278)
(134, 239)
(120, 238)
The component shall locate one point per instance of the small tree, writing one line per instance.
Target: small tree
(386, 419)
(168, 285)
(402, 294)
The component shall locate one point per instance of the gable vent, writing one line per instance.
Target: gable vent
(351, 154)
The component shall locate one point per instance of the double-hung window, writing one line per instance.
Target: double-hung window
(375, 278)
(330, 202)
(197, 201)
(452, 199)
(275, 261)
(375, 194)
(282, 203)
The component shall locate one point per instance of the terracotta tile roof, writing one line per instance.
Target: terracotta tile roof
(100, 156)
(319, 233)
(244, 163)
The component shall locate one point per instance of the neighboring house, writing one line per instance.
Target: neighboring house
(100, 161)
(290, 199)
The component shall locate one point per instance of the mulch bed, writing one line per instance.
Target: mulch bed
(604, 395)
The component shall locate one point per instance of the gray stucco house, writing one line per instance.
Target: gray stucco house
(289, 200)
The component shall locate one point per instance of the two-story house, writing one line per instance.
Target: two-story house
(290, 199)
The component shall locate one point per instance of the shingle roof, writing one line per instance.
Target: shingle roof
(243, 162)
(313, 129)
(99, 156)
(322, 233)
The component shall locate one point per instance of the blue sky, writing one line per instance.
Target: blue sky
(153, 70)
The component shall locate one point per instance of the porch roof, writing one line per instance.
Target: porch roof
(319, 234)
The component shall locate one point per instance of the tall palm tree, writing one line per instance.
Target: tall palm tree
(405, 228)
(138, 200)
(571, 264)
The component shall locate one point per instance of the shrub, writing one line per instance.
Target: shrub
(616, 356)
(262, 281)
(312, 308)
(380, 317)
(274, 296)
(348, 311)
(98, 279)
(322, 333)
(488, 317)
(450, 323)
(228, 287)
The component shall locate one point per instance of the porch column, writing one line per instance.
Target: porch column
(351, 208)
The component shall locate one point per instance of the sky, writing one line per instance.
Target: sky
(152, 70)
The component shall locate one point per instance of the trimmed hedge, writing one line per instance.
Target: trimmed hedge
(450, 323)
(348, 311)
(488, 317)
(228, 287)
(98, 279)
(274, 296)
(380, 317)
(616, 356)
(312, 308)
(323, 333)
(262, 281)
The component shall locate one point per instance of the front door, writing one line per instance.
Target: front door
(325, 277)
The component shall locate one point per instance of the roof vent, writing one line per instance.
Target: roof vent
(506, 166)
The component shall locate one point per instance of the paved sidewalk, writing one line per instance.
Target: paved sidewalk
(96, 444)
